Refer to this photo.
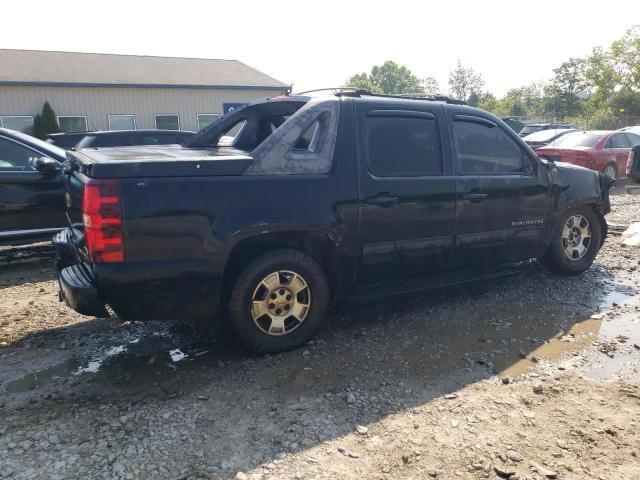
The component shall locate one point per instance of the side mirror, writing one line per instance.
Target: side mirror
(46, 165)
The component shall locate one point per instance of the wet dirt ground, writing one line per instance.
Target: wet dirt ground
(531, 376)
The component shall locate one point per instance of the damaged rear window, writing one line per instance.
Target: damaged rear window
(284, 137)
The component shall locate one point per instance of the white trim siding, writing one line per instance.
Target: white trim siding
(98, 102)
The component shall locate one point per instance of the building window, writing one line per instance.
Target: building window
(168, 122)
(69, 123)
(206, 119)
(122, 122)
(21, 123)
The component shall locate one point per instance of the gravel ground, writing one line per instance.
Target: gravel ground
(532, 376)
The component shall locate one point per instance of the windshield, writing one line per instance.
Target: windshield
(36, 142)
(577, 139)
(544, 135)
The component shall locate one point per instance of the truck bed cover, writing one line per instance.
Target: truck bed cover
(161, 161)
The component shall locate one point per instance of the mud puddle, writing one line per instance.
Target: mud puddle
(616, 353)
(38, 378)
(592, 331)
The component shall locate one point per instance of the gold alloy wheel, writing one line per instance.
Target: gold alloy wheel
(576, 237)
(280, 302)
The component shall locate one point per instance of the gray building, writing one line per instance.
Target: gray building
(90, 91)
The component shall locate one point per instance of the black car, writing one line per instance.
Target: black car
(66, 140)
(129, 138)
(31, 188)
(536, 127)
(118, 138)
(276, 208)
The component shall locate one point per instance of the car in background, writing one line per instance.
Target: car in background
(634, 129)
(118, 138)
(543, 138)
(66, 140)
(31, 188)
(515, 125)
(536, 127)
(130, 138)
(602, 150)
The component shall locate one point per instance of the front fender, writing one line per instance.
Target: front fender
(573, 186)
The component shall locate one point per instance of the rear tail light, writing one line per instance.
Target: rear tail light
(102, 217)
(630, 162)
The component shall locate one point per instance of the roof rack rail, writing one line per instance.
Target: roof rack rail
(360, 92)
(406, 96)
(329, 89)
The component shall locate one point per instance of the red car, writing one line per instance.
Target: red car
(604, 151)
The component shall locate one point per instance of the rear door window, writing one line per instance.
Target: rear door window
(403, 146)
(484, 148)
(619, 140)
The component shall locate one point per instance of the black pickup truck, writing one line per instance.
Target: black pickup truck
(276, 209)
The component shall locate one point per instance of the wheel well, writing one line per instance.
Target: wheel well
(316, 245)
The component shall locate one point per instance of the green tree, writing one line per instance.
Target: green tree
(430, 86)
(626, 55)
(474, 99)
(393, 78)
(625, 105)
(463, 81)
(361, 80)
(490, 103)
(46, 122)
(387, 78)
(562, 93)
(601, 76)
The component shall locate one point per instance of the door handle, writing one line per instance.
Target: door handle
(475, 197)
(382, 200)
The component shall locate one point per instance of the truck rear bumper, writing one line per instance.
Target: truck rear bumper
(76, 285)
(135, 291)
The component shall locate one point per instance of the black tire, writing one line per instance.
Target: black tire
(241, 299)
(555, 258)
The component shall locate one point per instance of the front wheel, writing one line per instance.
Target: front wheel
(279, 301)
(575, 243)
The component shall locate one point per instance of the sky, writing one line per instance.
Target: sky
(317, 44)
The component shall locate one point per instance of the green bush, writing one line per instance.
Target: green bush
(45, 123)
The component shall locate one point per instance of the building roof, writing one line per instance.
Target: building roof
(37, 67)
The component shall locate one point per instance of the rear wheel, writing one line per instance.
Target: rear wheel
(278, 301)
(576, 242)
(610, 171)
